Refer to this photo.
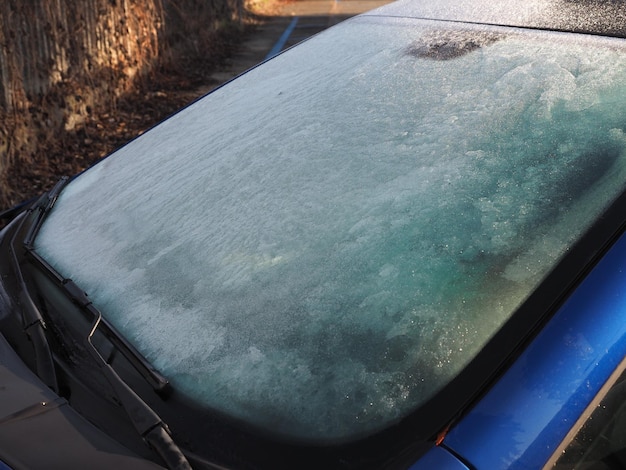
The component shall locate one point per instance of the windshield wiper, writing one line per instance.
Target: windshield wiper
(32, 320)
(43, 205)
(145, 420)
(158, 382)
(147, 423)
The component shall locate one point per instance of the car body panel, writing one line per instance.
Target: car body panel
(440, 459)
(37, 427)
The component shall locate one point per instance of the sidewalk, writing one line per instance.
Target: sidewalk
(292, 23)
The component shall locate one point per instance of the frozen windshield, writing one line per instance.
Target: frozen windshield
(320, 246)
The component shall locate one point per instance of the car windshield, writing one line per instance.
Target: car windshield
(320, 246)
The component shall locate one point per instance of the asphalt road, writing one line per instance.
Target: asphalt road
(293, 22)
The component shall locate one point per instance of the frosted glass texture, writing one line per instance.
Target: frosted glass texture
(321, 245)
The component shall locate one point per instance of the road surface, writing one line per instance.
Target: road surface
(293, 22)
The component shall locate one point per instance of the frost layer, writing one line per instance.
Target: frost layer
(321, 245)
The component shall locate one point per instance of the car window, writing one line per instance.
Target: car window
(320, 246)
(599, 441)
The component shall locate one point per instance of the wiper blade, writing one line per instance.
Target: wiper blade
(159, 383)
(44, 205)
(32, 320)
(145, 420)
(147, 423)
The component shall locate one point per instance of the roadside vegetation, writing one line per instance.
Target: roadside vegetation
(79, 79)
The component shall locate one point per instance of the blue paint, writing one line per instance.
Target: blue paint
(440, 459)
(283, 39)
(525, 416)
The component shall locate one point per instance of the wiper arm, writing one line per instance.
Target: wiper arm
(32, 320)
(159, 383)
(145, 420)
(44, 205)
(147, 423)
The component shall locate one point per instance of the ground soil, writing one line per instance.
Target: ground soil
(165, 92)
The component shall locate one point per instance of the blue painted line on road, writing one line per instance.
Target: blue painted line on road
(283, 39)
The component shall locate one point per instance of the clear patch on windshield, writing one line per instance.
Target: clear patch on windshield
(320, 246)
(447, 44)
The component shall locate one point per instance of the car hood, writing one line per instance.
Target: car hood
(38, 429)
